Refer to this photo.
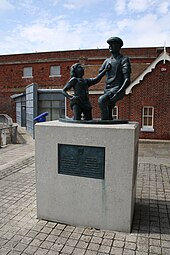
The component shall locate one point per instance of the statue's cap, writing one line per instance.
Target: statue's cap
(115, 39)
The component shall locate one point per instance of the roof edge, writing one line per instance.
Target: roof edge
(162, 57)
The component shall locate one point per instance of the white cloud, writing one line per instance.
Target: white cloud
(61, 34)
(164, 7)
(54, 2)
(47, 32)
(74, 4)
(146, 31)
(140, 5)
(123, 24)
(5, 5)
(40, 37)
(28, 6)
(129, 7)
(120, 6)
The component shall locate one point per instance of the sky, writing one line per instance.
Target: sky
(57, 25)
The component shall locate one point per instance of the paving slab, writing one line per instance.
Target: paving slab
(22, 233)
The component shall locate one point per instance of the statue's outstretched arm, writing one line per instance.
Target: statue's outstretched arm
(100, 75)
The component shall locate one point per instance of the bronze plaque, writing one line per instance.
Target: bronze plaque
(84, 161)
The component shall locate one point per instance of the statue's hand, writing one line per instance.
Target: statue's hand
(112, 96)
(74, 99)
(108, 67)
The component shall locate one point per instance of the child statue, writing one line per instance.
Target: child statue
(79, 102)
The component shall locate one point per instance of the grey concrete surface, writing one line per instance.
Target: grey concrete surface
(154, 151)
(87, 201)
(22, 233)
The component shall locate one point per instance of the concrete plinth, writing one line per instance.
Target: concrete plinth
(106, 203)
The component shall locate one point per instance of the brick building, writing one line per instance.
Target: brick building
(147, 99)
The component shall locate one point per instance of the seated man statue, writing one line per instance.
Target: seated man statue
(117, 78)
(79, 102)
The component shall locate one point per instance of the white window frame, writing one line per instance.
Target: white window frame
(27, 72)
(55, 71)
(115, 114)
(147, 127)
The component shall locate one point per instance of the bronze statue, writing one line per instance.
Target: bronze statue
(117, 78)
(79, 102)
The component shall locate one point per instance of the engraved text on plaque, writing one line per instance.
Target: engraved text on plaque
(84, 161)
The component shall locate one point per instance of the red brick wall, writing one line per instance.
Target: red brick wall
(154, 90)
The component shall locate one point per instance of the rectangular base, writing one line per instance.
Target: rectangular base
(98, 189)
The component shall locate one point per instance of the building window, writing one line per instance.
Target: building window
(115, 112)
(147, 118)
(55, 71)
(27, 72)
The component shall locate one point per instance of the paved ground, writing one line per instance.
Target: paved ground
(22, 233)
